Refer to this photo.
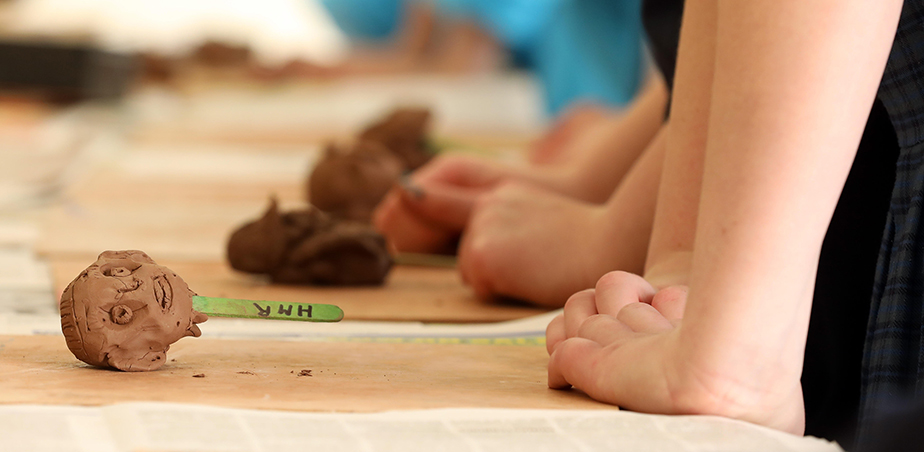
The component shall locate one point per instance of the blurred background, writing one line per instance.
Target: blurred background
(159, 125)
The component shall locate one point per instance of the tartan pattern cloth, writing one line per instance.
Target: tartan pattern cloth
(893, 355)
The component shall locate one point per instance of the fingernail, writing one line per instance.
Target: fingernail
(412, 189)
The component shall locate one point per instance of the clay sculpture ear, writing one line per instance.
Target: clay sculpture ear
(193, 330)
(123, 360)
(347, 254)
(258, 247)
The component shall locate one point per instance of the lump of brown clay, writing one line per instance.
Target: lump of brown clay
(349, 183)
(404, 133)
(124, 311)
(309, 247)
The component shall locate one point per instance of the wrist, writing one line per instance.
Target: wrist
(669, 269)
(753, 387)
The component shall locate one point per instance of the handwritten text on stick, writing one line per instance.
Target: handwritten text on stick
(285, 310)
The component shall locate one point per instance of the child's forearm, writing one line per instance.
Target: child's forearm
(617, 144)
(792, 88)
(605, 152)
(678, 195)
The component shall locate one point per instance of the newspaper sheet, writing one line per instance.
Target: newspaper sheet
(151, 426)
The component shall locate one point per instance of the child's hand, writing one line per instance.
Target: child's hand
(532, 244)
(620, 304)
(429, 211)
(620, 343)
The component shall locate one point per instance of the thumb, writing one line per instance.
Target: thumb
(443, 205)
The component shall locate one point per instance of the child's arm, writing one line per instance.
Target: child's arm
(792, 86)
(672, 235)
(604, 155)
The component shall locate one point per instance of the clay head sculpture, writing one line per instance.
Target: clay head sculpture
(124, 311)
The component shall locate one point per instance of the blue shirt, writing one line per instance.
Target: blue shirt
(579, 49)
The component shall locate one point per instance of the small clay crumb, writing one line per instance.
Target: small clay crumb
(199, 376)
(246, 372)
(172, 360)
(305, 373)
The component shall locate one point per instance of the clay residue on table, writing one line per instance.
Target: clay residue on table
(124, 311)
(308, 246)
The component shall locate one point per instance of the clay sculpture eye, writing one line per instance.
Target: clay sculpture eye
(120, 314)
(119, 267)
(118, 271)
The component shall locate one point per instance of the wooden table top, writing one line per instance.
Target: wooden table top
(345, 376)
(179, 202)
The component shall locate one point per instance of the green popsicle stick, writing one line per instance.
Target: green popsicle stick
(261, 309)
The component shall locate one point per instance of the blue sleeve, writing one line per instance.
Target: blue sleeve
(366, 19)
(592, 50)
(515, 23)
(579, 49)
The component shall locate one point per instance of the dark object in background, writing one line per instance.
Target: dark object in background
(899, 430)
(844, 286)
(64, 73)
(404, 133)
(348, 182)
(309, 247)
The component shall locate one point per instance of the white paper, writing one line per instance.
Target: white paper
(30, 428)
(191, 428)
(26, 286)
(276, 31)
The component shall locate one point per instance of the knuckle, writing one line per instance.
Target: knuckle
(669, 296)
(592, 323)
(616, 278)
(631, 310)
(577, 299)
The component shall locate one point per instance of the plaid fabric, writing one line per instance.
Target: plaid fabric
(893, 356)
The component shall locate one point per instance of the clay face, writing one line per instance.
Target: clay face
(404, 133)
(316, 249)
(124, 311)
(349, 183)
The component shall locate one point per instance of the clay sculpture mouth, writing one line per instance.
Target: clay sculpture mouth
(163, 293)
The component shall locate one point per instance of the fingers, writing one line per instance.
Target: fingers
(408, 233)
(643, 318)
(428, 214)
(616, 290)
(555, 333)
(605, 330)
(572, 362)
(670, 302)
(460, 171)
(445, 206)
(577, 309)
(475, 266)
